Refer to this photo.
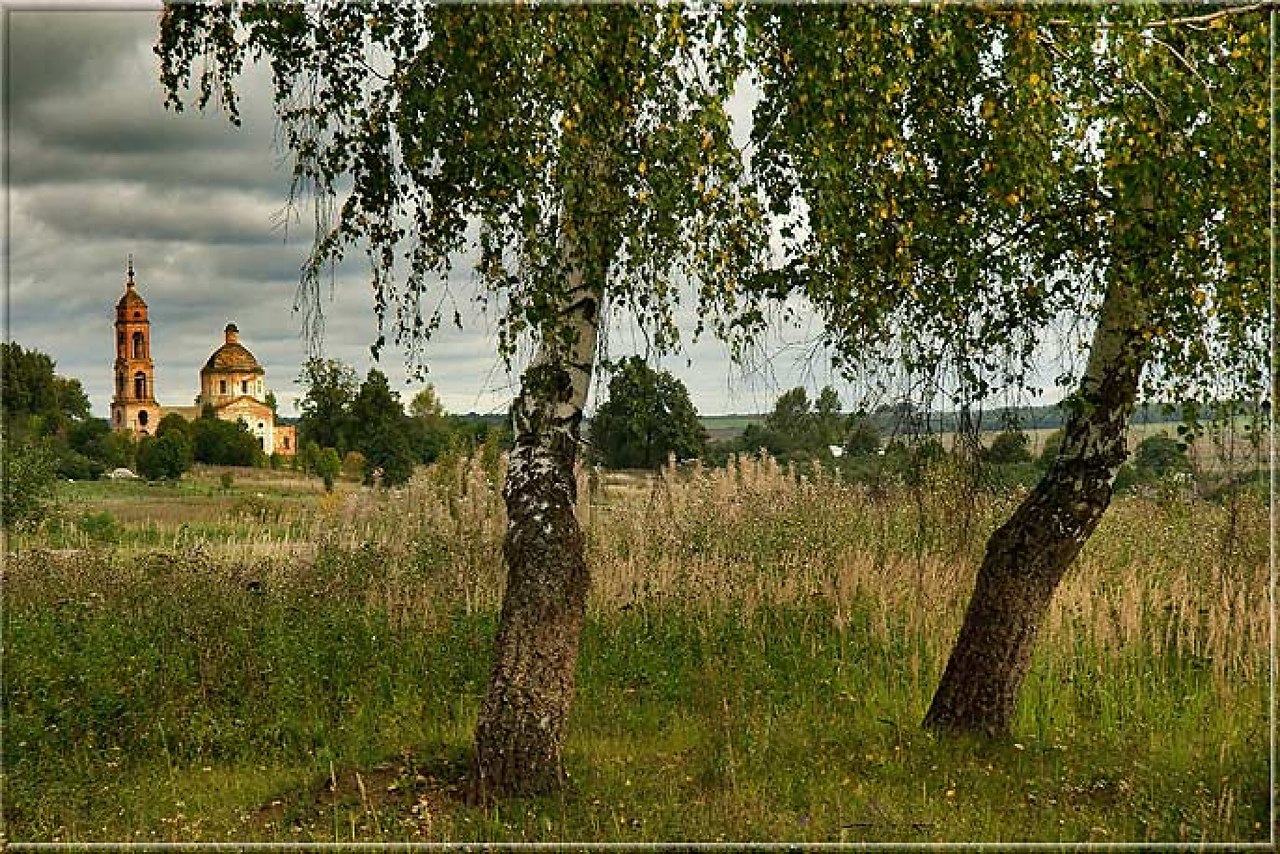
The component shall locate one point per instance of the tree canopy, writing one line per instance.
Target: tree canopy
(647, 418)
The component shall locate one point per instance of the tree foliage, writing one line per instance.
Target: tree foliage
(225, 443)
(647, 417)
(381, 431)
(164, 457)
(502, 115)
(331, 388)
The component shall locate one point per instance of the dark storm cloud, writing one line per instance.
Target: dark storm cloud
(129, 211)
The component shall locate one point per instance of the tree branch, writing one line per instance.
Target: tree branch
(1169, 22)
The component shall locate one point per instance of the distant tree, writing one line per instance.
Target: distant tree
(647, 417)
(430, 431)
(863, 437)
(173, 423)
(791, 420)
(378, 425)
(1009, 446)
(164, 457)
(34, 396)
(1159, 456)
(227, 443)
(828, 425)
(331, 389)
(328, 464)
(270, 401)
(426, 404)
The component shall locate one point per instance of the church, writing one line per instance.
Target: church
(231, 382)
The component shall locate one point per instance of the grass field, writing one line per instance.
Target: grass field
(272, 663)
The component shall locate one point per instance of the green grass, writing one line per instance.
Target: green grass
(754, 667)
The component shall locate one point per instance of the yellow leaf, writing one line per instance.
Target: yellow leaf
(643, 167)
(1012, 198)
(1034, 79)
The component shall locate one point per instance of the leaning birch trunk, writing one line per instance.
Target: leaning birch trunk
(521, 729)
(1027, 557)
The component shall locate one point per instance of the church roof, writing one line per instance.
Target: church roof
(232, 357)
(131, 299)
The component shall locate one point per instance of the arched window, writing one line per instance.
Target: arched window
(137, 315)
(244, 386)
(222, 386)
(120, 339)
(139, 347)
(120, 383)
(143, 417)
(140, 385)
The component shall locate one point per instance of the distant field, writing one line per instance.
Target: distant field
(721, 428)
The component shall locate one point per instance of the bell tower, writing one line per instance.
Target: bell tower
(133, 407)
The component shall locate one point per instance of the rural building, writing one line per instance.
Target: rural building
(232, 381)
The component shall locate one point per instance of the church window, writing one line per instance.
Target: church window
(244, 386)
(120, 339)
(139, 350)
(140, 385)
(137, 315)
(286, 443)
(143, 417)
(120, 383)
(222, 386)
(262, 443)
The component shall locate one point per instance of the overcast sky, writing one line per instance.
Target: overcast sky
(98, 169)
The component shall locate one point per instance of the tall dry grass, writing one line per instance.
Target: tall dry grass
(1174, 577)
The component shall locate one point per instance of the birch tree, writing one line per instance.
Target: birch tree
(963, 177)
(582, 156)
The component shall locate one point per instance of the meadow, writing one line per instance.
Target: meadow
(268, 662)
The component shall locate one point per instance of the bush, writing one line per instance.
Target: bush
(327, 466)
(352, 466)
(1161, 456)
(101, 527)
(864, 438)
(1011, 446)
(29, 476)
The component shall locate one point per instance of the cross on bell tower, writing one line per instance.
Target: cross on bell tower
(133, 407)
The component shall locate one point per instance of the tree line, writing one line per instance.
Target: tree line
(941, 185)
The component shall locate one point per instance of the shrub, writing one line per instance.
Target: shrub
(29, 478)
(352, 466)
(1011, 446)
(101, 527)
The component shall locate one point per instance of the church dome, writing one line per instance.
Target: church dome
(131, 299)
(232, 357)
